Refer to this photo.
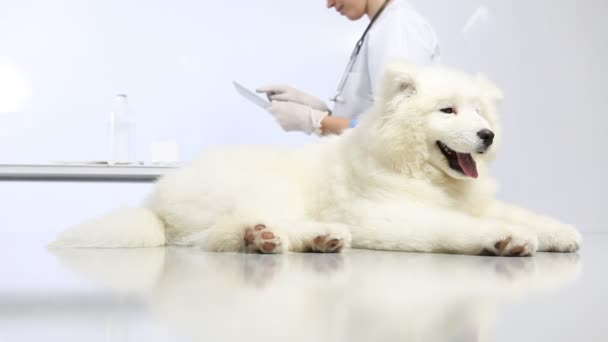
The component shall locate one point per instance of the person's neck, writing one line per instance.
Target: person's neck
(373, 6)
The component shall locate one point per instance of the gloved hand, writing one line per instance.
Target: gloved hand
(289, 94)
(293, 116)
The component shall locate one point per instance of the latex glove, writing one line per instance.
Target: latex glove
(289, 94)
(293, 116)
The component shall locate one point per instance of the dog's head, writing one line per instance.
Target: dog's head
(436, 118)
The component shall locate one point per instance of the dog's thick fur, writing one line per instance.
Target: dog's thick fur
(385, 184)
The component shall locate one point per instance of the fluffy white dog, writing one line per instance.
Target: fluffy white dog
(413, 176)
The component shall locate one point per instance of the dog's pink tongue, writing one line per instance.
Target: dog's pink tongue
(467, 164)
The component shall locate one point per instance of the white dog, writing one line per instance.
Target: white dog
(413, 176)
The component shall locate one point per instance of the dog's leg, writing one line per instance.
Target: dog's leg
(553, 236)
(263, 236)
(248, 236)
(414, 227)
(319, 237)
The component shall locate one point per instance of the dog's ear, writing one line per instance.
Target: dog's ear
(489, 90)
(399, 79)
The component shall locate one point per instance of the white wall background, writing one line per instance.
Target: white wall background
(175, 60)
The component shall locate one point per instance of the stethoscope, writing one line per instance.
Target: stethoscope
(353, 57)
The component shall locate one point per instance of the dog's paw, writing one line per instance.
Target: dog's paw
(562, 238)
(263, 239)
(327, 244)
(512, 244)
(333, 241)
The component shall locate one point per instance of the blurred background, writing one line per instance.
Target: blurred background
(63, 61)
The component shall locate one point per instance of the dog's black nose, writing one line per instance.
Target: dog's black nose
(487, 136)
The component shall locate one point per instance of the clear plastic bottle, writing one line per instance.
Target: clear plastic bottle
(121, 132)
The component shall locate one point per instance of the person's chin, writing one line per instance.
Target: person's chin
(352, 16)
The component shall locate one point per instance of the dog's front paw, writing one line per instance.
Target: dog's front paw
(511, 244)
(560, 238)
(262, 239)
(327, 243)
(332, 240)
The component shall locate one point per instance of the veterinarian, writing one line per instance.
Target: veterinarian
(395, 31)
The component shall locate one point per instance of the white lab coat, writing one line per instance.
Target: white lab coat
(399, 33)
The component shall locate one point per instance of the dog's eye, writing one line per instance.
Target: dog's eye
(448, 110)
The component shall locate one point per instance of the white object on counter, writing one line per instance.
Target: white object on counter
(164, 152)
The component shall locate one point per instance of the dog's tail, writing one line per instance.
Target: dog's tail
(125, 227)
